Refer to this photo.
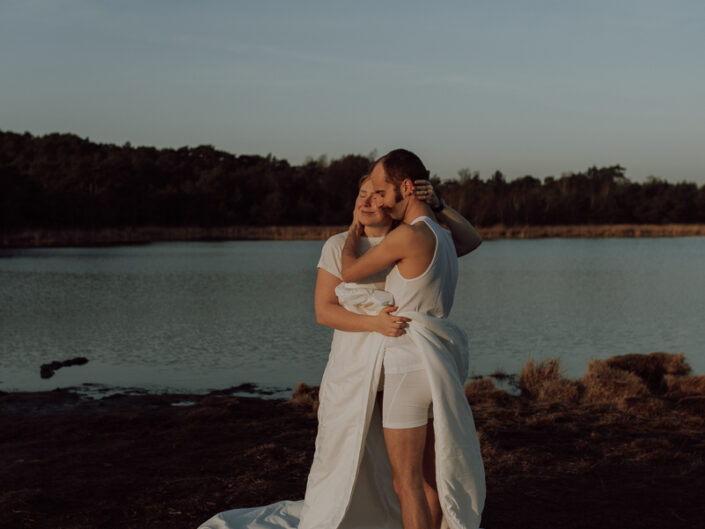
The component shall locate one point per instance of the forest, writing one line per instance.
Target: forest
(59, 181)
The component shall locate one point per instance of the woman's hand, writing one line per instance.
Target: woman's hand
(387, 324)
(423, 189)
(356, 226)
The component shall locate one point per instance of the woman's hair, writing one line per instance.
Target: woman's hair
(401, 164)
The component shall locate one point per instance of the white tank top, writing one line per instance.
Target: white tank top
(432, 292)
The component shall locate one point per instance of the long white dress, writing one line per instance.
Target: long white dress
(350, 482)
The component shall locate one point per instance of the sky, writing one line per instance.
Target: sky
(524, 87)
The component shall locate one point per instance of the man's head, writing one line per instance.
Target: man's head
(393, 178)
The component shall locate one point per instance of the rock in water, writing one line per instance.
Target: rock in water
(47, 370)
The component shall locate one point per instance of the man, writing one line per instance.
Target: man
(419, 369)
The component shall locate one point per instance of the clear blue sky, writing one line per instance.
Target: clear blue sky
(539, 87)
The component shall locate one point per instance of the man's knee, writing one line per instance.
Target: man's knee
(407, 482)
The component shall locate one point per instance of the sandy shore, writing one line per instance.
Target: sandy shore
(624, 446)
(148, 234)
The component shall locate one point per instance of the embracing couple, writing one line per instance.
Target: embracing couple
(396, 444)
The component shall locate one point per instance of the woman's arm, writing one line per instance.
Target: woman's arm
(331, 314)
(465, 236)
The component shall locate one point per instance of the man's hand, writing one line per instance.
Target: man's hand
(387, 324)
(423, 189)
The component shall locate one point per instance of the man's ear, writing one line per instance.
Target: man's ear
(407, 187)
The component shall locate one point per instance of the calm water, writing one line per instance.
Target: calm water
(199, 316)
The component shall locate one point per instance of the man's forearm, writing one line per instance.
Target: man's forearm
(351, 249)
(464, 234)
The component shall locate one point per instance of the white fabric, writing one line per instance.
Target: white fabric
(331, 259)
(350, 482)
(407, 399)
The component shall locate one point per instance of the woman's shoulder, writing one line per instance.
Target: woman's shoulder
(336, 241)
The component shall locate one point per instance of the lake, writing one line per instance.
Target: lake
(201, 316)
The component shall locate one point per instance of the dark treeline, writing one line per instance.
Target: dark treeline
(63, 181)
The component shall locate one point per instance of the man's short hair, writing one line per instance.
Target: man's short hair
(400, 164)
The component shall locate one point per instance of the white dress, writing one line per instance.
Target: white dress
(350, 482)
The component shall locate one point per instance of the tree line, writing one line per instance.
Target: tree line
(64, 181)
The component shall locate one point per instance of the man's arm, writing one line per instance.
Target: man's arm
(465, 236)
(390, 250)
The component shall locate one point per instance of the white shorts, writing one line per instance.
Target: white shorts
(406, 400)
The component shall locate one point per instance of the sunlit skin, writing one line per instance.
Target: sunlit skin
(393, 202)
(373, 218)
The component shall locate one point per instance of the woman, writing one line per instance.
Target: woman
(348, 492)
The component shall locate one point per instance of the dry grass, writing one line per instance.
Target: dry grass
(694, 405)
(641, 385)
(483, 391)
(542, 381)
(591, 231)
(603, 383)
(629, 384)
(306, 396)
(146, 234)
(651, 368)
(636, 462)
(642, 406)
(685, 385)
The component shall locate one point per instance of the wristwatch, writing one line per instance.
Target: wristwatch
(440, 207)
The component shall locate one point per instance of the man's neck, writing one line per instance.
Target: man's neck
(417, 209)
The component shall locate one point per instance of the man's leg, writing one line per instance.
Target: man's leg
(410, 446)
(405, 448)
(429, 476)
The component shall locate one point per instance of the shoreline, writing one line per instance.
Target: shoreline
(41, 238)
(619, 447)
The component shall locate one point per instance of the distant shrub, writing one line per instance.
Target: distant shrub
(652, 367)
(603, 383)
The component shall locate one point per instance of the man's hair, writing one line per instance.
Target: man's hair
(400, 164)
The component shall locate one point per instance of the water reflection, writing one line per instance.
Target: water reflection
(198, 316)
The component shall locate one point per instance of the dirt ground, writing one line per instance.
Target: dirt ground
(561, 454)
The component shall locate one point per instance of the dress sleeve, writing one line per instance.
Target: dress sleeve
(331, 256)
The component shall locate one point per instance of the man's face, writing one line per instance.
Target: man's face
(387, 194)
(370, 212)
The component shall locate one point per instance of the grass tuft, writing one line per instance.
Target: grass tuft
(542, 381)
(603, 383)
(305, 396)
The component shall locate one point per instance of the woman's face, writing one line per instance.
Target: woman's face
(369, 212)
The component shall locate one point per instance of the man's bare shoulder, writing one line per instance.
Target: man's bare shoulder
(410, 234)
(403, 232)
